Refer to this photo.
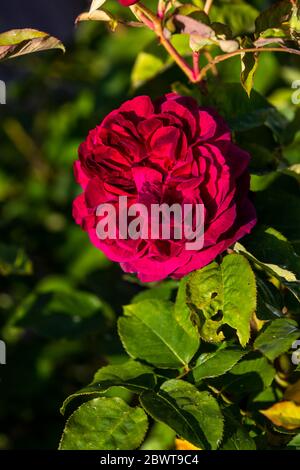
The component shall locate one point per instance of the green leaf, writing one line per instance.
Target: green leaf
(183, 314)
(239, 291)
(202, 288)
(13, 260)
(160, 437)
(243, 113)
(63, 313)
(146, 67)
(278, 207)
(295, 443)
(283, 16)
(131, 375)
(104, 424)
(272, 248)
(236, 435)
(154, 60)
(293, 170)
(249, 63)
(261, 182)
(250, 376)
(271, 251)
(194, 416)
(216, 363)
(163, 291)
(150, 330)
(239, 16)
(269, 300)
(25, 41)
(228, 288)
(277, 337)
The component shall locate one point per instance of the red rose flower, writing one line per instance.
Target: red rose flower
(127, 3)
(171, 151)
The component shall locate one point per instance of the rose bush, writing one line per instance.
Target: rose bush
(208, 362)
(171, 151)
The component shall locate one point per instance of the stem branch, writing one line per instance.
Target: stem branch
(194, 73)
(142, 11)
(196, 64)
(221, 58)
(207, 6)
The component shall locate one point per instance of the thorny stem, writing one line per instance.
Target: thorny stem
(208, 5)
(177, 58)
(196, 64)
(142, 17)
(157, 27)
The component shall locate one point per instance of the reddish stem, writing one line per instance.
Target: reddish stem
(196, 64)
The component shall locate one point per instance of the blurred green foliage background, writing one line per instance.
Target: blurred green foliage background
(52, 102)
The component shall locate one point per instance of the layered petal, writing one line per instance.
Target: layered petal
(167, 154)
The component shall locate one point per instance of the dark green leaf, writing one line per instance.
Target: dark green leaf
(239, 16)
(270, 250)
(277, 337)
(243, 113)
(194, 415)
(14, 261)
(249, 63)
(278, 207)
(216, 363)
(283, 16)
(131, 375)
(236, 435)
(63, 313)
(269, 300)
(250, 376)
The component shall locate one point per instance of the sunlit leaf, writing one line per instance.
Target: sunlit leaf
(228, 288)
(151, 330)
(216, 363)
(96, 4)
(181, 444)
(98, 15)
(104, 424)
(18, 42)
(285, 414)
